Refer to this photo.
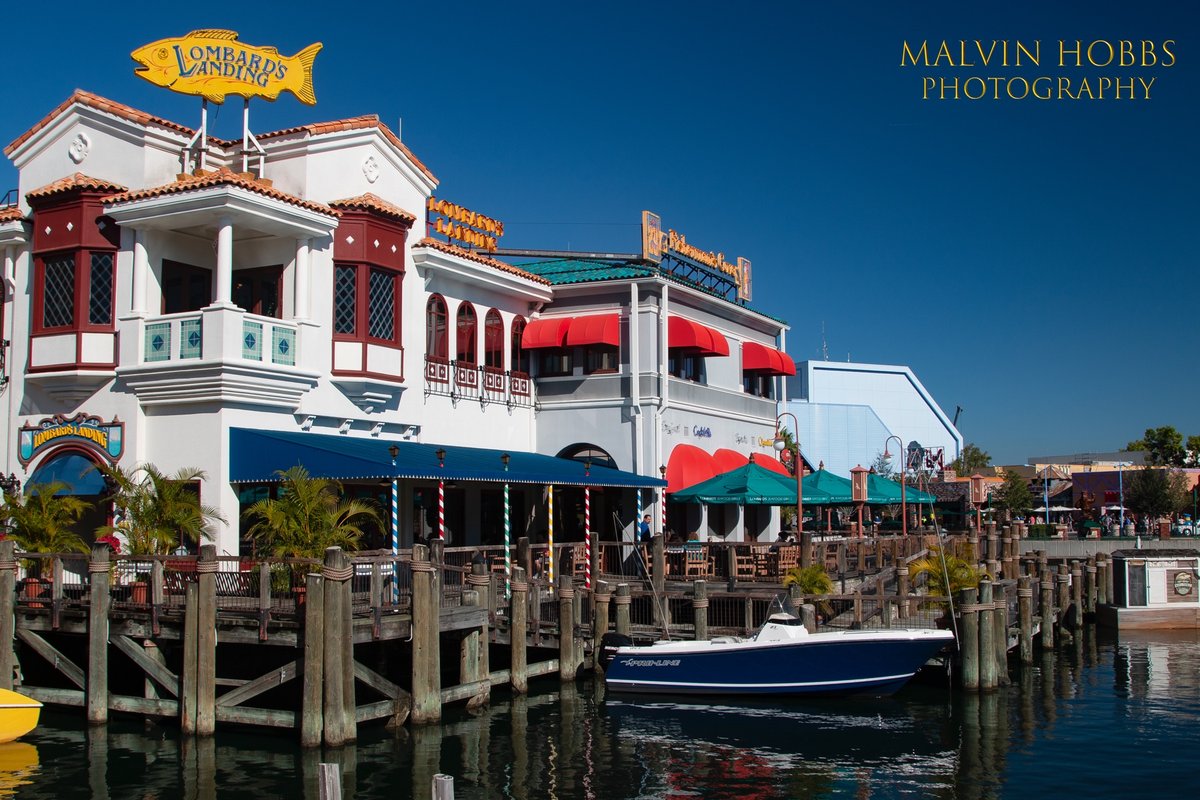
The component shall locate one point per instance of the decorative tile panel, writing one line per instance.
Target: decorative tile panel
(283, 346)
(191, 338)
(252, 335)
(158, 342)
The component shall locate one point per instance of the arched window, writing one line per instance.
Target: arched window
(435, 328)
(465, 325)
(518, 359)
(493, 340)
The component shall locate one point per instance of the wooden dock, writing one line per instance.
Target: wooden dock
(319, 648)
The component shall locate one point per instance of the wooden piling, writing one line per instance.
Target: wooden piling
(566, 628)
(426, 659)
(1063, 598)
(1000, 633)
(187, 678)
(1102, 576)
(100, 598)
(1089, 586)
(600, 620)
(987, 637)
(312, 714)
(969, 631)
(206, 641)
(518, 633)
(8, 601)
(622, 602)
(1046, 584)
(902, 589)
(1076, 620)
(700, 609)
(1025, 618)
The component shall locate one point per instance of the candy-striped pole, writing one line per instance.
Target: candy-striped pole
(587, 537)
(395, 540)
(507, 546)
(638, 519)
(442, 510)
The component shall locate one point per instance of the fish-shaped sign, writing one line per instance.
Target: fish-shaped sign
(213, 63)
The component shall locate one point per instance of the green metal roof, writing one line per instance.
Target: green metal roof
(577, 271)
(566, 271)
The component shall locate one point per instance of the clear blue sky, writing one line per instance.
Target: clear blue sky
(1034, 262)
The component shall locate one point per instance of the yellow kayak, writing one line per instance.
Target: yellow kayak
(18, 715)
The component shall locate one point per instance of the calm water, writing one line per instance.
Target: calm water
(1102, 718)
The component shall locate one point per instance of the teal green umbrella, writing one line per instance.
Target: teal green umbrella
(749, 485)
(838, 489)
(885, 491)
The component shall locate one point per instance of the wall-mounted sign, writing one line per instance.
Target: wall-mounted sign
(651, 237)
(655, 243)
(213, 63)
(106, 437)
(462, 225)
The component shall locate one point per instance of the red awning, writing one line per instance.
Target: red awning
(771, 462)
(545, 333)
(728, 460)
(686, 334)
(760, 358)
(595, 329)
(687, 466)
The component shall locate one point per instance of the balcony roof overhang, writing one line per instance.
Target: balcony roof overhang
(202, 210)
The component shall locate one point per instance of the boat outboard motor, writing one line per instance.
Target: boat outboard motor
(609, 643)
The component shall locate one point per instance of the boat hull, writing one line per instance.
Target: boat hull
(838, 663)
(18, 715)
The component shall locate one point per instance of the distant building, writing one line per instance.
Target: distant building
(847, 411)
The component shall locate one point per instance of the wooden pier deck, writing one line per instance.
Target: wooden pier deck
(319, 648)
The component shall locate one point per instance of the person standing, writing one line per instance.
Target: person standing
(645, 534)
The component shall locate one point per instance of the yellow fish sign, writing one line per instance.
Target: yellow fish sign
(213, 63)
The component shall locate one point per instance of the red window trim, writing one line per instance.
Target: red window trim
(362, 321)
(83, 292)
(444, 339)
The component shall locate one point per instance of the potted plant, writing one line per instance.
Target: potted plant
(156, 512)
(811, 580)
(308, 515)
(947, 574)
(44, 521)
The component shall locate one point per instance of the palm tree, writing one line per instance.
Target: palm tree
(947, 573)
(812, 580)
(158, 512)
(309, 515)
(43, 521)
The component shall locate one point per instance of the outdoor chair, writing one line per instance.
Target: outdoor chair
(695, 560)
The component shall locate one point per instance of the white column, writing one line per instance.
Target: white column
(635, 384)
(302, 278)
(224, 263)
(141, 265)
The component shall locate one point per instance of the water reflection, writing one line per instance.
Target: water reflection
(1060, 728)
(18, 766)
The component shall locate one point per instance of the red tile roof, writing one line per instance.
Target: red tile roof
(102, 104)
(71, 182)
(370, 202)
(222, 177)
(11, 214)
(470, 255)
(353, 124)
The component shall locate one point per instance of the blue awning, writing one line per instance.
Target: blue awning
(257, 456)
(79, 473)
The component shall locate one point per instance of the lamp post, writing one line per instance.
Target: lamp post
(978, 497)
(1121, 494)
(858, 491)
(903, 490)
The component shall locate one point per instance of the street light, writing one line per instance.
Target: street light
(1121, 489)
(780, 445)
(903, 490)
